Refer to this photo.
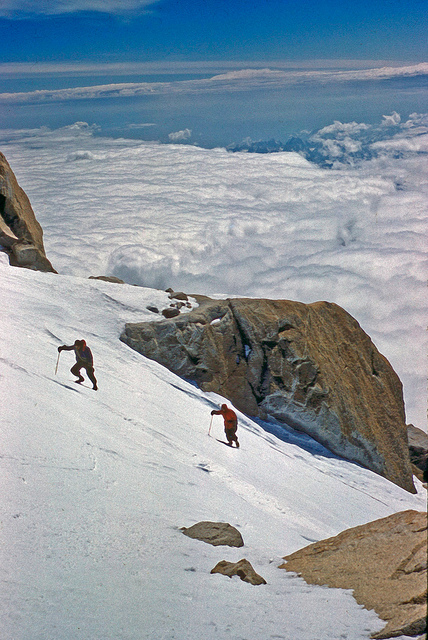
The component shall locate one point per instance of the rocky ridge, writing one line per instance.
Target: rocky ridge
(385, 564)
(310, 366)
(21, 236)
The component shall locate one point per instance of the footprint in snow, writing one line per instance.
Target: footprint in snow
(203, 467)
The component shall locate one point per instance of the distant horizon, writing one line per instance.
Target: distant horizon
(216, 104)
(193, 66)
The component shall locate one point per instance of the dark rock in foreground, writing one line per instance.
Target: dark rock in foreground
(384, 562)
(21, 236)
(310, 366)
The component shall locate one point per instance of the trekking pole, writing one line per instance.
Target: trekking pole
(57, 361)
(209, 430)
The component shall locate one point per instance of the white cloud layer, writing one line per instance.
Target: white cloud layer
(232, 81)
(180, 136)
(24, 8)
(264, 225)
(349, 143)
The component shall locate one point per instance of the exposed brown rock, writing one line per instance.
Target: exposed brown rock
(178, 295)
(20, 234)
(7, 237)
(243, 569)
(170, 312)
(418, 447)
(215, 533)
(309, 366)
(384, 562)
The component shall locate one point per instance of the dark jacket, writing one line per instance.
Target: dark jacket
(83, 356)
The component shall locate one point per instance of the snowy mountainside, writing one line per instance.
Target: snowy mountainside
(97, 484)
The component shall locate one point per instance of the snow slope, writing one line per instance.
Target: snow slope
(97, 484)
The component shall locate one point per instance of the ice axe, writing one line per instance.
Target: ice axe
(209, 430)
(57, 361)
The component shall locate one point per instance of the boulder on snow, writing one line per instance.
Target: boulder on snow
(170, 312)
(243, 569)
(384, 562)
(21, 236)
(215, 533)
(310, 366)
(178, 295)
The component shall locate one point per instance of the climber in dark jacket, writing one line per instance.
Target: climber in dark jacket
(84, 360)
(230, 423)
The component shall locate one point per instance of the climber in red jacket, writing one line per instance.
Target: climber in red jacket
(84, 360)
(230, 423)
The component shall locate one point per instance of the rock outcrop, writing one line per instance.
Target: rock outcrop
(418, 448)
(384, 562)
(243, 569)
(310, 366)
(21, 236)
(215, 533)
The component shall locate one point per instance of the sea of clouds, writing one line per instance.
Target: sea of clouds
(237, 80)
(349, 228)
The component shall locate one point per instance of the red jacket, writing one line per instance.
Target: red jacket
(229, 417)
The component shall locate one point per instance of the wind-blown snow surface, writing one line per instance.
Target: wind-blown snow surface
(97, 484)
(275, 226)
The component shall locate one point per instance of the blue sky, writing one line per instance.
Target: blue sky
(222, 70)
(144, 30)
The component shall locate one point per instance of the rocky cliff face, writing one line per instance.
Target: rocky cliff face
(310, 366)
(418, 448)
(384, 562)
(21, 236)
